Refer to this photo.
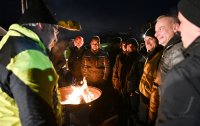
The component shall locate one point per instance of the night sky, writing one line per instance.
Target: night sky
(112, 15)
(98, 16)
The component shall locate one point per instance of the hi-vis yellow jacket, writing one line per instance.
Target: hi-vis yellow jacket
(28, 81)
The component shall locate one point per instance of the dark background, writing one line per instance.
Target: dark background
(98, 16)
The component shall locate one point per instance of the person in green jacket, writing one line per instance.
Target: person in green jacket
(28, 79)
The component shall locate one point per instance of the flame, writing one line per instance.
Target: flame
(80, 94)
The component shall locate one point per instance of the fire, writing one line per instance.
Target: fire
(80, 94)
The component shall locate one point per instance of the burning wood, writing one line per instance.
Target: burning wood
(79, 94)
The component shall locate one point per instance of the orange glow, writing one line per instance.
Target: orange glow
(81, 94)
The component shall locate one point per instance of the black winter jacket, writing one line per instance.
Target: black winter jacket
(180, 92)
(172, 55)
(74, 63)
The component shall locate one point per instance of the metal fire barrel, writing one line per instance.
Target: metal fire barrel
(77, 114)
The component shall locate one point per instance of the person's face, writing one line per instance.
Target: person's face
(165, 30)
(124, 47)
(94, 45)
(150, 43)
(130, 48)
(78, 42)
(189, 32)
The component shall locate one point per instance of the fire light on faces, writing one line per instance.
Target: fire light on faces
(78, 94)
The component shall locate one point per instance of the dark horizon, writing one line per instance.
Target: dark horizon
(100, 16)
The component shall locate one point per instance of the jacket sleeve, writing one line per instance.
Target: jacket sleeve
(115, 77)
(33, 110)
(34, 88)
(84, 66)
(154, 103)
(107, 68)
(70, 62)
(133, 77)
(177, 54)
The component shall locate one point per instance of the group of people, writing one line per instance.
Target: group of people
(164, 49)
(93, 64)
(171, 98)
(161, 89)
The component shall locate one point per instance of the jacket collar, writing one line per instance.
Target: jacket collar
(155, 51)
(174, 40)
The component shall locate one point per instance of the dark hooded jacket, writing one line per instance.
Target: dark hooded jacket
(28, 81)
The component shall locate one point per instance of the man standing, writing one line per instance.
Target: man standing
(75, 57)
(180, 92)
(95, 68)
(166, 28)
(154, 53)
(95, 64)
(125, 80)
(28, 80)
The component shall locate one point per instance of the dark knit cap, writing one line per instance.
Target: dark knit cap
(37, 12)
(96, 38)
(132, 41)
(190, 10)
(150, 32)
(117, 40)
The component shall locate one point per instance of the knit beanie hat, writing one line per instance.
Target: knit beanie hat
(117, 40)
(37, 12)
(96, 38)
(190, 10)
(132, 41)
(150, 32)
